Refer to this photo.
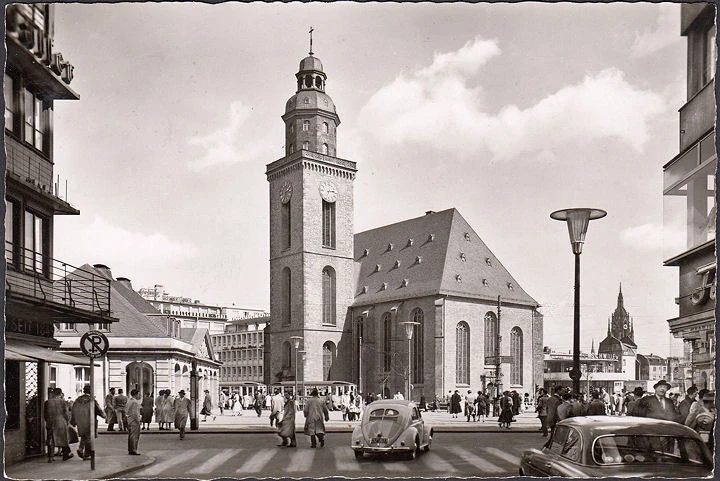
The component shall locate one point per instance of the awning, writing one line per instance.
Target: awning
(24, 351)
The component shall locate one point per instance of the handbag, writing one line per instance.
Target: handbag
(72, 435)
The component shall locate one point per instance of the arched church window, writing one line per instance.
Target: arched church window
(308, 81)
(328, 224)
(387, 337)
(286, 357)
(329, 354)
(287, 296)
(325, 149)
(292, 148)
(418, 353)
(318, 82)
(328, 295)
(325, 128)
(491, 333)
(306, 145)
(462, 353)
(306, 100)
(516, 353)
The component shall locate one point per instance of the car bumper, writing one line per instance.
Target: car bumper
(384, 449)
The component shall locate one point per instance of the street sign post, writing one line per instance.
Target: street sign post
(94, 344)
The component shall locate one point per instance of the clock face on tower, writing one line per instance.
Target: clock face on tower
(328, 192)
(285, 192)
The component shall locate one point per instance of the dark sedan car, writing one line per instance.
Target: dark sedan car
(391, 426)
(623, 447)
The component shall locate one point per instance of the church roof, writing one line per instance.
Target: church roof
(436, 254)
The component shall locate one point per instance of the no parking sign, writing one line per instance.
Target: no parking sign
(94, 344)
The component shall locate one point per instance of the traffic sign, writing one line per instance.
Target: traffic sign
(94, 344)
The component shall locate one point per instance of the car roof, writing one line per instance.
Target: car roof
(392, 403)
(626, 425)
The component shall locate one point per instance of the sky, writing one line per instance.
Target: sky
(506, 112)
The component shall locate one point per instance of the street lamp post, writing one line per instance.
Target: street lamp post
(409, 326)
(296, 342)
(303, 356)
(577, 222)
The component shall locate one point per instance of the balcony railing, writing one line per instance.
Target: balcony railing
(35, 276)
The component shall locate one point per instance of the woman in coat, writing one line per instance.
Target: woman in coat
(506, 410)
(286, 428)
(159, 406)
(56, 416)
(168, 409)
(182, 411)
(315, 412)
(146, 411)
(455, 408)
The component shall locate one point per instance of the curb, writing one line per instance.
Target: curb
(122, 472)
(332, 429)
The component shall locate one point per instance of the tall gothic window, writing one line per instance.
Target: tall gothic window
(286, 296)
(286, 355)
(516, 353)
(328, 224)
(328, 359)
(462, 353)
(285, 225)
(328, 296)
(491, 333)
(387, 335)
(418, 354)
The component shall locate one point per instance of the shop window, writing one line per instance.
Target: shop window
(10, 104)
(12, 394)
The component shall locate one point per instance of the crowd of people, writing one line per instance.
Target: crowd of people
(696, 409)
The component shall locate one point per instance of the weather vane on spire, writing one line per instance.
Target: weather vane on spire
(311, 31)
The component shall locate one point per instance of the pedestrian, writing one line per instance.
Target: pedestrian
(542, 410)
(133, 422)
(237, 404)
(470, 405)
(119, 405)
(633, 399)
(315, 412)
(658, 406)
(696, 408)
(506, 410)
(553, 403)
(605, 397)
(286, 426)
(596, 406)
(181, 406)
(455, 408)
(684, 405)
(345, 404)
(159, 407)
(146, 411)
(80, 417)
(516, 402)
(56, 417)
(276, 406)
(258, 402)
(481, 405)
(222, 399)
(110, 417)
(704, 420)
(168, 410)
(207, 407)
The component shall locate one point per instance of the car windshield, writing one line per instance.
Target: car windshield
(384, 413)
(617, 449)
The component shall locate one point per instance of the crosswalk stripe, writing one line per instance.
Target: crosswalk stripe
(257, 461)
(515, 460)
(216, 461)
(157, 468)
(477, 461)
(397, 466)
(436, 463)
(344, 459)
(301, 460)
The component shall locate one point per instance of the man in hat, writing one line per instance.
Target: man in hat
(658, 406)
(133, 422)
(207, 406)
(181, 406)
(110, 417)
(684, 405)
(80, 417)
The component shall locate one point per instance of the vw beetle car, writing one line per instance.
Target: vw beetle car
(391, 426)
(621, 447)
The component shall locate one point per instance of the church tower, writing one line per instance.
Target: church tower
(311, 238)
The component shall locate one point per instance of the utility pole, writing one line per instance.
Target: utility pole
(498, 382)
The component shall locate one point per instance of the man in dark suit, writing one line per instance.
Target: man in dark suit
(684, 406)
(552, 408)
(656, 405)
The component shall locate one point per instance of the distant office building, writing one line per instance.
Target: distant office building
(191, 313)
(598, 371)
(236, 313)
(241, 349)
(689, 197)
(36, 294)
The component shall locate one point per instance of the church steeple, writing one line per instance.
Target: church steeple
(620, 298)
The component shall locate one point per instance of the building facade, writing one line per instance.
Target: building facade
(342, 298)
(149, 350)
(241, 349)
(689, 197)
(191, 313)
(36, 291)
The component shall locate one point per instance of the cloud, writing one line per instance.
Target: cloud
(121, 249)
(230, 144)
(436, 107)
(653, 236)
(663, 34)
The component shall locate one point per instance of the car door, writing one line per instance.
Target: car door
(416, 420)
(545, 463)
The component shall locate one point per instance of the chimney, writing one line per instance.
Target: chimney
(104, 271)
(125, 282)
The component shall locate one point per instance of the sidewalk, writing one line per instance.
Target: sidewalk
(112, 459)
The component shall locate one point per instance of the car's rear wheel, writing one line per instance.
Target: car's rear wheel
(416, 450)
(358, 453)
(522, 472)
(427, 446)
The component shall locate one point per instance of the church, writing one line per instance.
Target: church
(420, 306)
(619, 343)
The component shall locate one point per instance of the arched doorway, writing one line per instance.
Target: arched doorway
(140, 376)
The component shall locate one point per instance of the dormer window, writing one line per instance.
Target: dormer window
(378, 267)
(390, 247)
(485, 282)
(397, 264)
(409, 243)
(463, 257)
(306, 125)
(488, 261)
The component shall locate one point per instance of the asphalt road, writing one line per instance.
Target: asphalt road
(207, 456)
